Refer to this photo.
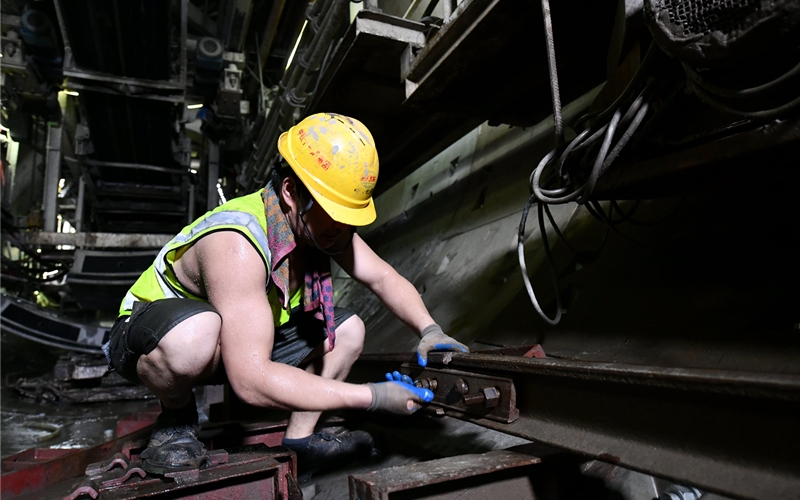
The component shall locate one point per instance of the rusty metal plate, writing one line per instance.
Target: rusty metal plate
(500, 472)
(252, 472)
(475, 394)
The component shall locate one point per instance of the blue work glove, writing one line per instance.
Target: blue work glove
(433, 338)
(398, 395)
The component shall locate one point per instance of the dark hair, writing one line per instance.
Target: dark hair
(280, 171)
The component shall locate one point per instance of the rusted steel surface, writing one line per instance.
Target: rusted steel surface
(253, 472)
(97, 469)
(32, 473)
(730, 432)
(750, 384)
(30, 457)
(478, 395)
(378, 485)
(36, 475)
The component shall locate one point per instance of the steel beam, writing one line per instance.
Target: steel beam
(135, 166)
(79, 205)
(730, 432)
(52, 174)
(500, 472)
(212, 197)
(97, 240)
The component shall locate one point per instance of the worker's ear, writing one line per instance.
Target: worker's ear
(288, 192)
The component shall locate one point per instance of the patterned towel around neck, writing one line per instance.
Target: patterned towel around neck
(318, 286)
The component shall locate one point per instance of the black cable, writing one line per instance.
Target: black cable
(542, 196)
(601, 156)
(625, 217)
(626, 136)
(763, 114)
(584, 255)
(429, 9)
(524, 267)
(600, 215)
(551, 261)
(635, 81)
(628, 217)
(695, 77)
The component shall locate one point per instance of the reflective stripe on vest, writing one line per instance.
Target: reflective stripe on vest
(245, 223)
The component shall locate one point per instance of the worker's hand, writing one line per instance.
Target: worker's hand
(433, 338)
(398, 396)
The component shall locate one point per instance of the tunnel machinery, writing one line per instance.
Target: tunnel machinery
(599, 198)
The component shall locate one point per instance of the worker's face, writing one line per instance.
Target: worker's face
(315, 225)
(329, 235)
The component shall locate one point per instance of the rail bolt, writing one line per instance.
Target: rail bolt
(427, 383)
(492, 395)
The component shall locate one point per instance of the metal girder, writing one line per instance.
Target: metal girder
(364, 80)
(252, 473)
(212, 196)
(489, 59)
(135, 166)
(447, 476)
(51, 177)
(97, 240)
(725, 431)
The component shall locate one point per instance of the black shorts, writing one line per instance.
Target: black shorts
(137, 334)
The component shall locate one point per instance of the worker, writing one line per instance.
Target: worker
(245, 290)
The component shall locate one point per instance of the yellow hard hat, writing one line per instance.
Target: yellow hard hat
(335, 158)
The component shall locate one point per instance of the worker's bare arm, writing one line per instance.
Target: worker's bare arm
(396, 292)
(235, 276)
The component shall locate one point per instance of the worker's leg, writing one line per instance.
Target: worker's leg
(188, 352)
(169, 345)
(320, 450)
(332, 364)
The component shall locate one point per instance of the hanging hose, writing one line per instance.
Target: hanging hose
(559, 139)
(524, 267)
(597, 157)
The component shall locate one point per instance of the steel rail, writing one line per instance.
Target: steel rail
(731, 432)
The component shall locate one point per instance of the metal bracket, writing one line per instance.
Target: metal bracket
(474, 394)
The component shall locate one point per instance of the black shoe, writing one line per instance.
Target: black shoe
(326, 451)
(173, 449)
(173, 444)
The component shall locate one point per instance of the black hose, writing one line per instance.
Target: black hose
(626, 136)
(584, 255)
(764, 114)
(635, 81)
(695, 77)
(524, 268)
(601, 156)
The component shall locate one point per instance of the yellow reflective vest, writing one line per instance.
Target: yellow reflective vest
(244, 215)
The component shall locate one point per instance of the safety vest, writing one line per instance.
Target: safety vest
(245, 215)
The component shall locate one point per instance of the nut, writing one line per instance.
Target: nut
(492, 396)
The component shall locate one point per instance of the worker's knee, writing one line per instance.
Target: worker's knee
(350, 336)
(188, 352)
